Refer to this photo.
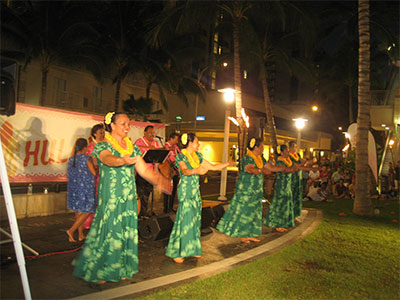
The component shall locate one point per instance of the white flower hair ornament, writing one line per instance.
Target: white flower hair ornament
(108, 117)
(252, 142)
(184, 138)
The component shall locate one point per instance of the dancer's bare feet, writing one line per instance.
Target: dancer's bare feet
(197, 256)
(245, 240)
(82, 237)
(100, 282)
(178, 260)
(70, 237)
(280, 229)
(253, 239)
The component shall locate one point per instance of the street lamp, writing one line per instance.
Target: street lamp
(314, 108)
(300, 123)
(229, 97)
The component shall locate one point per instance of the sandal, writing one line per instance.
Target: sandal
(245, 240)
(178, 260)
(253, 239)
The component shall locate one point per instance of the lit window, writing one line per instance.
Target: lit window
(245, 74)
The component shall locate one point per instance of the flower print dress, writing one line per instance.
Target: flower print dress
(280, 213)
(110, 251)
(80, 186)
(184, 240)
(297, 187)
(243, 217)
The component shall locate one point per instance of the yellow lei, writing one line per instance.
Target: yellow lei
(117, 146)
(193, 159)
(295, 156)
(288, 162)
(257, 159)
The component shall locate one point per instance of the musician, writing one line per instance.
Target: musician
(172, 145)
(144, 188)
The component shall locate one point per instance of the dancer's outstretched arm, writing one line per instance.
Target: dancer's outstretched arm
(216, 167)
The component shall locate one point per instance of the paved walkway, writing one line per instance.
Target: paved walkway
(50, 277)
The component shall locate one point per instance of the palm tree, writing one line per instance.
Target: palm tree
(237, 11)
(49, 31)
(121, 24)
(362, 203)
(141, 108)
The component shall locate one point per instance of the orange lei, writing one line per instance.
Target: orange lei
(129, 146)
(257, 159)
(287, 161)
(295, 156)
(193, 159)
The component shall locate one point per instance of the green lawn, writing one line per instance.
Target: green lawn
(346, 257)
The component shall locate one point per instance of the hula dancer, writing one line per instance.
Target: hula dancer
(243, 217)
(184, 240)
(280, 213)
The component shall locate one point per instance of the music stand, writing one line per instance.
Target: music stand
(155, 156)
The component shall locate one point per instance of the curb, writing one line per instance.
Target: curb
(311, 221)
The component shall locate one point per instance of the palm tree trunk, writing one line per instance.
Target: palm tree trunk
(45, 70)
(362, 203)
(238, 88)
(268, 110)
(148, 88)
(117, 91)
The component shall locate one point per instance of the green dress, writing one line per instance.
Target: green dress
(243, 217)
(110, 251)
(297, 188)
(280, 213)
(184, 240)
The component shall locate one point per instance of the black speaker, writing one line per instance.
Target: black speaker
(210, 216)
(218, 211)
(8, 75)
(206, 217)
(155, 228)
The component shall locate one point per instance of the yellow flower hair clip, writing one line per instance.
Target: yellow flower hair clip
(108, 117)
(184, 138)
(252, 142)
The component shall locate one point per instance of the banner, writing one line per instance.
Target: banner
(38, 141)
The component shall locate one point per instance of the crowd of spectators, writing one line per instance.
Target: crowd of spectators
(329, 179)
(339, 181)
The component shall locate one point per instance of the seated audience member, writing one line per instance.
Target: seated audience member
(340, 189)
(317, 193)
(324, 174)
(346, 178)
(314, 175)
(336, 176)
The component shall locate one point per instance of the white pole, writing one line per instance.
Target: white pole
(224, 172)
(298, 139)
(13, 225)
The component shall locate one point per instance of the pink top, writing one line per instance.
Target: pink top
(174, 152)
